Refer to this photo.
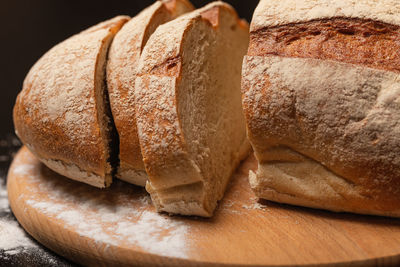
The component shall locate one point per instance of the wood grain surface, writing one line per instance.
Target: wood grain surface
(119, 226)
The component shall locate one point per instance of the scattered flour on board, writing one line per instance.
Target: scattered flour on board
(13, 238)
(118, 223)
(3, 199)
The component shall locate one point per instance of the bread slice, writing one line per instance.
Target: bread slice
(62, 114)
(123, 59)
(321, 95)
(188, 108)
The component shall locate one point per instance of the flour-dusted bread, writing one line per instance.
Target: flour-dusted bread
(123, 59)
(321, 94)
(62, 114)
(188, 108)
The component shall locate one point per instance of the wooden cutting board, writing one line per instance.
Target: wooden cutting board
(119, 226)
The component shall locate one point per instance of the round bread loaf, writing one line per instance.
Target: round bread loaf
(321, 94)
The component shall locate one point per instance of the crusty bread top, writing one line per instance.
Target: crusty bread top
(271, 13)
(124, 55)
(57, 113)
(349, 122)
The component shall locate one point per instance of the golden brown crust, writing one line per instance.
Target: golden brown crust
(364, 42)
(57, 113)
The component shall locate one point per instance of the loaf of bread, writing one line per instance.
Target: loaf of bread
(124, 55)
(62, 113)
(188, 108)
(321, 95)
(91, 104)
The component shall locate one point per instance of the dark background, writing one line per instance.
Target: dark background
(30, 28)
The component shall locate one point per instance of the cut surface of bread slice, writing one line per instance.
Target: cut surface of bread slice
(62, 114)
(122, 63)
(321, 96)
(189, 115)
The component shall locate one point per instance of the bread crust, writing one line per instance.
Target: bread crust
(274, 13)
(59, 114)
(175, 180)
(124, 55)
(342, 116)
(363, 42)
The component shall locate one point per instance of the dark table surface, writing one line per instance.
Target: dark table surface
(32, 254)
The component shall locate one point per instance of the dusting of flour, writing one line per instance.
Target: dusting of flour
(13, 239)
(3, 199)
(108, 218)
